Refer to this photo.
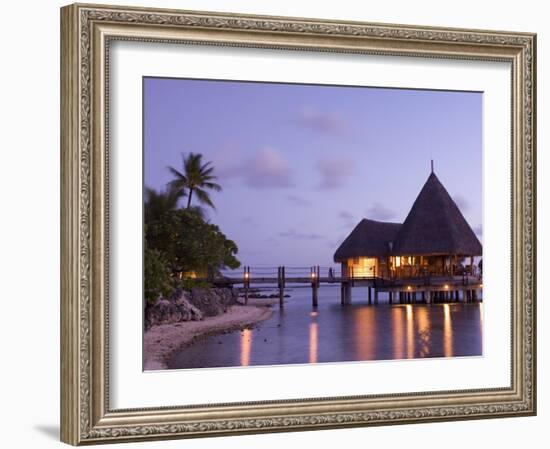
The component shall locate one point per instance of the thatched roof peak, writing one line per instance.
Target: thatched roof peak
(433, 226)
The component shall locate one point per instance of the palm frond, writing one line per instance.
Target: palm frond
(212, 186)
(177, 174)
(195, 177)
(204, 197)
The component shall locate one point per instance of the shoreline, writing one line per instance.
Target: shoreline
(162, 341)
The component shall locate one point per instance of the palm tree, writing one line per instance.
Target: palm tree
(158, 203)
(195, 178)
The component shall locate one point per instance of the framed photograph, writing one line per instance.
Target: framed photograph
(278, 224)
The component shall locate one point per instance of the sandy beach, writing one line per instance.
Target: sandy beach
(161, 341)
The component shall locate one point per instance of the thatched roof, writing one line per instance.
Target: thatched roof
(369, 238)
(435, 225)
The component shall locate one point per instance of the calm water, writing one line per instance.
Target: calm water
(332, 333)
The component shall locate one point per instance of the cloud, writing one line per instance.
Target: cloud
(267, 169)
(347, 218)
(378, 211)
(297, 200)
(228, 162)
(293, 234)
(321, 122)
(462, 203)
(334, 172)
(345, 215)
(249, 221)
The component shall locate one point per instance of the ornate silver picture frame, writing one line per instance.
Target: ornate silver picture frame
(87, 32)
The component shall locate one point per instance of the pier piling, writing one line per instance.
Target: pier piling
(281, 283)
(458, 289)
(315, 272)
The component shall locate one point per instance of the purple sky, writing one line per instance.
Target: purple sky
(300, 165)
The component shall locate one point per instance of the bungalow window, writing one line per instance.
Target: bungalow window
(362, 266)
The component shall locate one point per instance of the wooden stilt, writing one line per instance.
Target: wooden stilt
(375, 295)
(370, 295)
(314, 299)
(314, 286)
(346, 293)
(281, 286)
(246, 283)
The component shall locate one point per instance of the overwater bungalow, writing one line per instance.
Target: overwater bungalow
(434, 242)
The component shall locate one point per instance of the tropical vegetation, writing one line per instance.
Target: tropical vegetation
(180, 243)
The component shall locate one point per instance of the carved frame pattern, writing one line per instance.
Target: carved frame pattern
(85, 416)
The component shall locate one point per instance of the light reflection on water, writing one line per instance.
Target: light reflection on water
(313, 342)
(398, 334)
(447, 331)
(333, 333)
(365, 330)
(246, 346)
(424, 331)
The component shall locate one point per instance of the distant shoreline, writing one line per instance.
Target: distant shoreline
(161, 342)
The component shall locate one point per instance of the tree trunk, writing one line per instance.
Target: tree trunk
(189, 199)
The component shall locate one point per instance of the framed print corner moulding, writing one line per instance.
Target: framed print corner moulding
(280, 224)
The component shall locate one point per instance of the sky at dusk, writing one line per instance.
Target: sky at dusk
(301, 165)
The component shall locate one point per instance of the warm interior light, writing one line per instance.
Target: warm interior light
(408, 287)
(397, 262)
(446, 287)
(362, 266)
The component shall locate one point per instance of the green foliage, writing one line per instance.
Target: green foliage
(181, 240)
(157, 277)
(188, 284)
(188, 243)
(159, 203)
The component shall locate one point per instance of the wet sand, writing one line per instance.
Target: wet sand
(160, 342)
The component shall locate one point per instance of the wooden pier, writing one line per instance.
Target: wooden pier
(424, 290)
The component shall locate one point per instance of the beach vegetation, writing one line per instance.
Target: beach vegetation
(181, 245)
(158, 281)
